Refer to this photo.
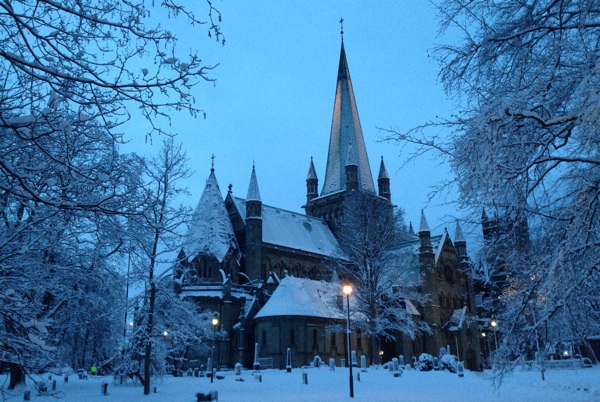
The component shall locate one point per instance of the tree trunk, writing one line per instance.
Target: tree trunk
(149, 329)
(17, 376)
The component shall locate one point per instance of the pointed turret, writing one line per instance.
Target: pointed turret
(460, 243)
(383, 182)
(210, 231)
(424, 226)
(425, 250)
(253, 248)
(345, 130)
(351, 169)
(253, 192)
(312, 182)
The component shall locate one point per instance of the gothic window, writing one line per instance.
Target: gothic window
(449, 274)
(292, 337)
(264, 337)
(333, 339)
(358, 338)
(315, 346)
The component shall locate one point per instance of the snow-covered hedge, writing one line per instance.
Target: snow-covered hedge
(425, 362)
(448, 362)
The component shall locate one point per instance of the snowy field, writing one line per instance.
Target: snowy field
(324, 385)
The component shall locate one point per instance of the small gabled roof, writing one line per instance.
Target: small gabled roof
(210, 231)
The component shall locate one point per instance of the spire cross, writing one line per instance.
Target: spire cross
(212, 163)
(342, 28)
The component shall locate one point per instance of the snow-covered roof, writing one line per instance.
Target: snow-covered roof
(294, 230)
(410, 308)
(253, 192)
(210, 231)
(424, 226)
(303, 297)
(457, 319)
(345, 130)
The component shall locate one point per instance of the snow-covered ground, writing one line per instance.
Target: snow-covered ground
(324, 385)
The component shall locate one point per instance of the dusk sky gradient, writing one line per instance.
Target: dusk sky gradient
(272, 101)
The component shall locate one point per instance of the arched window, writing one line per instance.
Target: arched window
(333, 339)
(358, 338)
(315, 346)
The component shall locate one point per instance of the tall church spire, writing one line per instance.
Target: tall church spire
(345, 130)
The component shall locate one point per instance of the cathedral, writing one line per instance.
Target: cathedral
(271, 275)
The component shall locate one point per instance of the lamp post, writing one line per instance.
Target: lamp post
(494, 324)
(214, 322)
(347, 289)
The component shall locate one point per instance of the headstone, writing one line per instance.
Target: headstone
(436, 363)
(304, 377)
(358, 376)
(401, 360)
(342, 362)
(256, 365)
(238, 369)
(155, 390)
(66, 378)
(363, 363)
(288, 361)
(331, 364)
(104, 388)
(390, 367)
(414, 362)
(460, 369)
(207, 396)
(395, 363)
(353, 354)
(27, 395)
(317, 361)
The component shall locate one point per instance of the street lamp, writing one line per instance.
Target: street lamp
(494, 324)
(347, 289)
(214, 322)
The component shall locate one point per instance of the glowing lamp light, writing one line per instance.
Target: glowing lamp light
(347, 289)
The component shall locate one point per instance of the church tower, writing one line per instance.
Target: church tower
(347, 170)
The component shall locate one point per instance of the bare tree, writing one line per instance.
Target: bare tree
(525, 146)
(157, 231)
(369, 234)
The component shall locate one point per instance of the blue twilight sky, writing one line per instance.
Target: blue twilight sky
(272, 102)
